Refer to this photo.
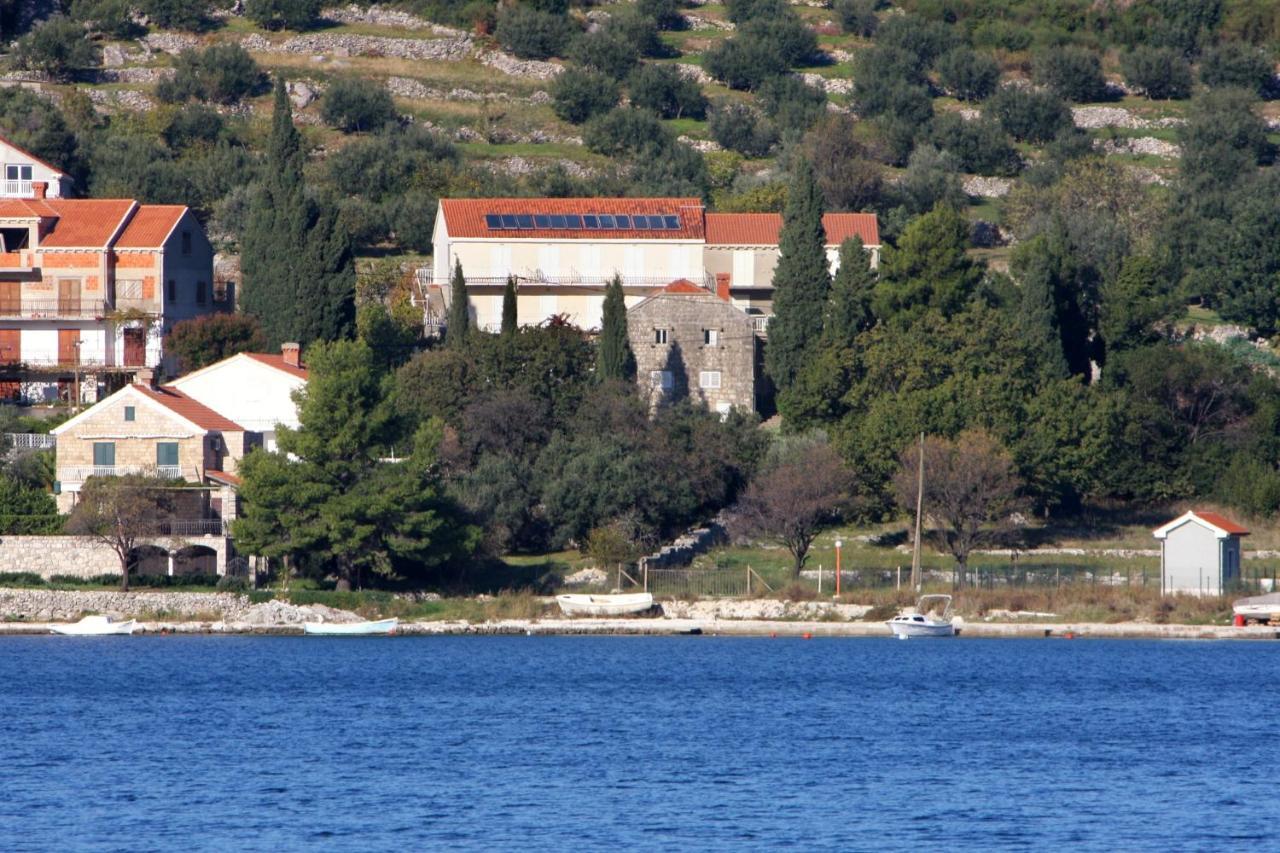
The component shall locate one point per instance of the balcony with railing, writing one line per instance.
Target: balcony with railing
(80, 473)
(53, 309)
(20, 441)
(760, 324)
(193, 527)
(18, 189)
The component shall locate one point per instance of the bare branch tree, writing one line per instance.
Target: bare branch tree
(796, 493)
(119, 512)
(969, 485)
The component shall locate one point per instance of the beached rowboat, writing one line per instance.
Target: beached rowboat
(604, 605)
(351, 629)
(1260, 608)
(96, 626)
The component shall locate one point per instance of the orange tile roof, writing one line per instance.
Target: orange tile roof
(1221, 522)
(183, 406)
(76, 223)
(683, 285)
(464, 217)
(278, 362)
(26, 208)
(150, 226)
(222, 477)
(763, 229)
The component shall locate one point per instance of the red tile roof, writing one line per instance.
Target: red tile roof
(464, 217)
(222, 477)
(77, 223)
(277, 361)
(183, 406)
(763, 229)
(150, 226)
(1221, 522)
(683, 285)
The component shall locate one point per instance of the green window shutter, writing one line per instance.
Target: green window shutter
(167, 453)
(104, 454)
(130, 413)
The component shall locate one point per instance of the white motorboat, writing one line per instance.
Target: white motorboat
(604, 605)
(351, 629)
(96, 626)
(932, 618)
(1259, 608)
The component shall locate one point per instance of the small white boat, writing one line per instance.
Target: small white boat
(604, 605)
(1259, 608)
(96, 626)
(932, 618)
(351, 629)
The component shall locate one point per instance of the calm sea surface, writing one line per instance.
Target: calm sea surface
(697, 743)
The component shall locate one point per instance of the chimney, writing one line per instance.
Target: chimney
(292, 353)
(722, 285)
(40, 188)
(145, 376)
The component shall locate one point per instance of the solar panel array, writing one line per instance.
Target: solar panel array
(585, 222)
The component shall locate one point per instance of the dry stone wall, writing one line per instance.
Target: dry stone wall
(83, 556)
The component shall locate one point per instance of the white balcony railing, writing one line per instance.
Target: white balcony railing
(80, 473)
(19, 189)
(760, 323)
(30, 440)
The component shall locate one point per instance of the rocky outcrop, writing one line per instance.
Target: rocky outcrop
(763, 608)
(830, 85)
(508, 64)
(1095, 118)
(1148, 145)
(378, 16)
(441, 49)
(407, 87)
(984, 187)
(682, 551)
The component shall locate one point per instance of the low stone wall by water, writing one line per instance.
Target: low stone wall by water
(54, 605)
(86, 557)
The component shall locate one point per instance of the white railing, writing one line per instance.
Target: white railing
(17, 188)
(30, 440)
(425, 278)
(760, 323)
(80, 473)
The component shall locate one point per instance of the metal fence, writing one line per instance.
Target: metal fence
(704, 583)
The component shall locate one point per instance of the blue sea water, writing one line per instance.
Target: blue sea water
(691, 743)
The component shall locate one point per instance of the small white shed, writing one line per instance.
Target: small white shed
(1199, 553)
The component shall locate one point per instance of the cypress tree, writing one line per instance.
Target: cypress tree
(849, 309)
(614, 358)
(1036, 266)
(296, 256)
(458, 328)
(509, 308)
(801, 281)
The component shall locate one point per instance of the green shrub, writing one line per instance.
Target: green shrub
(741, 11)
(664, 13)
(112, 18)
(531, 34)
(232, 583)
(1250, 485)
(1162, 73)
(355, 104)
(792, 103)
(790, 38)
(1074, 73)
(981, 147)
(743, 63)
(1003, 35)
(738, 127)
(412, 219)
(857, 17)
(190, 15)
(667, 92)
(222, 73)
(283, 14)
(640, 32)
(1029, 116)
(624, 130)
(578, 94)
(21, 579)
(59, 47)
(1235, 65)
(605, 51)
(968, 75)
(194, 124)
(924, 40)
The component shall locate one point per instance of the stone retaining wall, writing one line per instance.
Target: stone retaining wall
(682, 551)
(46, 605)
(85, 557)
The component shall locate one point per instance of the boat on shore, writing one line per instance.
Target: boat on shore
(604, 605)
(1258, 608)
(96, 626)
(932, 618)
(351, 629)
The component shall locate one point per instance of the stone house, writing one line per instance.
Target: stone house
(563, 252)
(1199, 553)
(89, 287)
(691, 343)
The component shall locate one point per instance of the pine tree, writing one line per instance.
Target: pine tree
(458, 328)
(614, 358)
(509, 308)
(296, 255)
(801, 281)
(928, 269)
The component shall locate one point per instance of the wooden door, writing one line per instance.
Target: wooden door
(10, 346)
(68, 346)
(135, 347)
(69, 297)
(10, 298)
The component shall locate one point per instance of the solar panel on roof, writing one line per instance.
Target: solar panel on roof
(557, 221)
(589, 221)
(541, 220)
(640, 223)
(524, 220)
(655, 221)
(606, 221)
(492, 220)
(572, 220)
(671, 221)
(622, 221)
(509, 220)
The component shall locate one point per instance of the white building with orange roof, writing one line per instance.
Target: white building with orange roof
(25, 174)
(89, 287)
(562, 253)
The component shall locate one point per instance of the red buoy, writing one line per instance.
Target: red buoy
(1239, 620)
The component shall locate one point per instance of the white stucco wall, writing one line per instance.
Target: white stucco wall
(254, 395)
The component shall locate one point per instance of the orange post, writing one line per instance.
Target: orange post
(838, 544)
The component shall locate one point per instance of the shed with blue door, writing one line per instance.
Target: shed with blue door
(1199, 553)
